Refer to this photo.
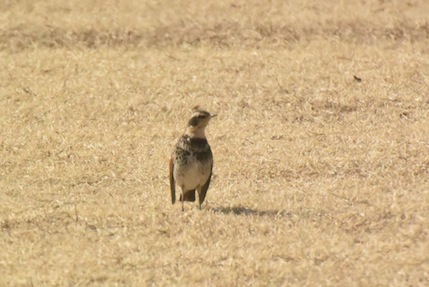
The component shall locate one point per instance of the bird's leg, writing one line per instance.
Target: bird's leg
(199, 197)
(183, 199)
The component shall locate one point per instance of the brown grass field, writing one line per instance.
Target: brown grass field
(321, 143)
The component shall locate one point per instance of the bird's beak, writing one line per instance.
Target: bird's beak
(212, 116)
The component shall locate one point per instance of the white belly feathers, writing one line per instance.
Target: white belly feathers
(193, 175)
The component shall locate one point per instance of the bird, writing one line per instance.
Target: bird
(191, 162)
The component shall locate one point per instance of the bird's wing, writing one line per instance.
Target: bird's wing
(202, 194)
(172, 182)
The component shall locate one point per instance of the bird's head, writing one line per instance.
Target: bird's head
(198, 122)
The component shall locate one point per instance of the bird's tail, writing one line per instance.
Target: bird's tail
(189, 196)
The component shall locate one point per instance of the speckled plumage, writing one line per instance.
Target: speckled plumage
(191, 162)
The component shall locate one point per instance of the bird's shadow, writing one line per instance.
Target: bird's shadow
(245, 211)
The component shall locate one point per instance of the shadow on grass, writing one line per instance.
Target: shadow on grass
(241, 210)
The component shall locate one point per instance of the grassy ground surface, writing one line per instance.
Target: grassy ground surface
(321, 143)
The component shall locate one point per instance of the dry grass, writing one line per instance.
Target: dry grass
(320, 179)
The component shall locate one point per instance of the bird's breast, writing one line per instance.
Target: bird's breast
(191, 171)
